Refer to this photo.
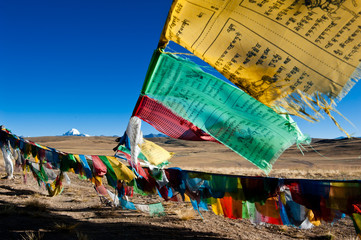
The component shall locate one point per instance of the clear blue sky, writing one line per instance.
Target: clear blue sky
(81, 64)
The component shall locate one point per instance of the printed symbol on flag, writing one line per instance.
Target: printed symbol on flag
(246, 136)
(329, 6)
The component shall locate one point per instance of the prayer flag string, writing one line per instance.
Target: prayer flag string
(302, 203)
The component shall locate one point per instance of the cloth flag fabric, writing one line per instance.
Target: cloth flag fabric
(121, 171)
(165, 121)
(9, 166)
(300, 55)
(223, 111)
(154, 153)
(302, 203)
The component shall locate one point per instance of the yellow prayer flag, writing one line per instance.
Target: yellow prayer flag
(154, 153)
(293, 54)
(312, 219)
(340, 192)
(56, 187)
(187, 198)
(36, 159)
(217, 206)
(121, 171)
(77, 158)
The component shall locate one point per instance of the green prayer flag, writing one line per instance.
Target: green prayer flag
(111, 176)
(225, 112)
(43, 173)
(67, 162)
(137, 190)
(156, 209)
(126, 150)
(245, 214)
(38, 172)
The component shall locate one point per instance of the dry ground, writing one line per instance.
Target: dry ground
(26, 212)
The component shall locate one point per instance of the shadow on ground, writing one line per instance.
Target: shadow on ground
(26, 222)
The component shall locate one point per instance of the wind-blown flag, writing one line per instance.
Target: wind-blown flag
(223, 111)
(167, 122)
(300, 55)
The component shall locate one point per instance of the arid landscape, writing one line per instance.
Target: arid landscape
(26, 212)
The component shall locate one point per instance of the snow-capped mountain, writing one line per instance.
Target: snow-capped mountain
(75, 132)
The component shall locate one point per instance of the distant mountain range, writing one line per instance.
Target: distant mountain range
(75, 132)
(153, 135)
(342, 137)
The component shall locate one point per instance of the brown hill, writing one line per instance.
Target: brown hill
(324, 158)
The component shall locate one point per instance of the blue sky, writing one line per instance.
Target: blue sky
(81, 64)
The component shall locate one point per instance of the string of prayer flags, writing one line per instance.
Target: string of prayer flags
(302, 203)
(300, 55)
(46, 159)
(92, 167)
(223, 111)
